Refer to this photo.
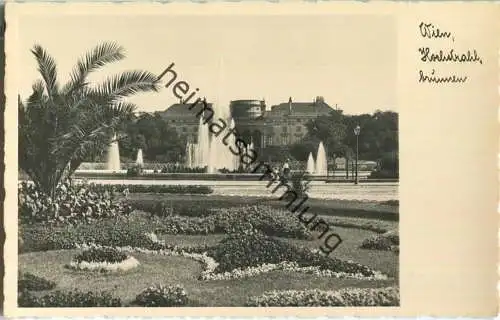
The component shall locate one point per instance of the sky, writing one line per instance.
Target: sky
(349, 60)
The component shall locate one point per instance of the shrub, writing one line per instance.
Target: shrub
(162, 296)
(387, 241)
(182, 169)
(71, 299)
(31, 282)
(347, 297)
(110, 255)
(71, 204)
(251, 250)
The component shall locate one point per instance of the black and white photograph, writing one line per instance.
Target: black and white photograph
(207, 160)
(255, 169)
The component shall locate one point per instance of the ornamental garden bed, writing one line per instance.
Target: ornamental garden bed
(186, 271)
(103, 260)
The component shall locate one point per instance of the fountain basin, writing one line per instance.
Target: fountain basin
(150, 175)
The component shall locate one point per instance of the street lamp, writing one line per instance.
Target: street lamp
(357, 130)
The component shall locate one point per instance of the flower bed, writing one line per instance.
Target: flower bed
(114, 232)
(388, 241)
(162, 296)
(276, 222)
(31, 282)
(71, 204)
(164, 208)
(303, 261)
(125, 265)
(348, 297)
(103, 260)
(141, 188)
(253, 250)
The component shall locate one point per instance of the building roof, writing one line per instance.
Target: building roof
(313, 107)
(182, 110)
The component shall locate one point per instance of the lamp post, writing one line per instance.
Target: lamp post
(357, 130)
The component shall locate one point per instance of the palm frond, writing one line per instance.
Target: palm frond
(107, 52)
(38, 92)
(121, 110)
(126, 84)
(47, 68)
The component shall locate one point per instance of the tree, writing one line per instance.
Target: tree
(160, 141)
(59, 126)
(330, 130)
(378, 135)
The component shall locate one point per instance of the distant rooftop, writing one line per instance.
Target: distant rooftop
(318, 106)
(182, 109)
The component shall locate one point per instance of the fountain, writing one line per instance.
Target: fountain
(210, 151)
(321, 161)
(310, 164)
(190, 155)
(140, 160)
(235, 159)
(113, 161)
(203, 146)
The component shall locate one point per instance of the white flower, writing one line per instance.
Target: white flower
(125, 265)
(210, 265)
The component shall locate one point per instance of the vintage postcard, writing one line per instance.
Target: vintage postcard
(246, 159)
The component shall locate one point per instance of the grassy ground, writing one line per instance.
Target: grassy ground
(179, 270)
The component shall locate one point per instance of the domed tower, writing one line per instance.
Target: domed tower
(247, 109)
(248, 115)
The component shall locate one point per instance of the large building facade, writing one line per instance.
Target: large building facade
(282, 124)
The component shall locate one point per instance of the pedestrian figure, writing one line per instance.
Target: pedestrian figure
(286, 170)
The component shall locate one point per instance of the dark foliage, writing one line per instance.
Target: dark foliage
(180, 207)
(70, 299)
(110, 255)
(182, 169)
(70, 203)
(162, 296)
(134, 171)
(117, 232)
(141, 188)
(250, 250)
(267, 220)
(31, 282)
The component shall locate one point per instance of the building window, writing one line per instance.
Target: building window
(299, 128)
(269, 140)
(285, 129)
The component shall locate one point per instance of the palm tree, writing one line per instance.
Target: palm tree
(59, 125)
